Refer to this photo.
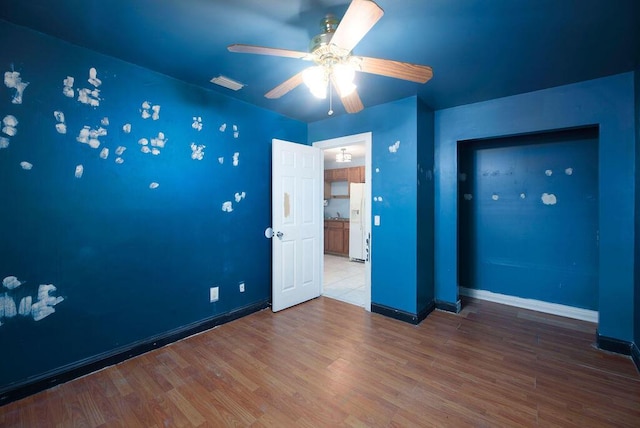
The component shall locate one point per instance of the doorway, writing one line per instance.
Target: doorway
(343, 277)
(528, 216)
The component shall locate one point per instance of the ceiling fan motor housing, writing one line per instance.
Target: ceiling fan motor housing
(319, 41)
(328, 24)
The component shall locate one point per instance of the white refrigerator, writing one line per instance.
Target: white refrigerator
(356, 221)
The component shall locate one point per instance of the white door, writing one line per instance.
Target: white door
(297, 223)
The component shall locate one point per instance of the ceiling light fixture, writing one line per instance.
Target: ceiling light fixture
(343, 156)
(316, 79)
(341, 74)
(333, 64)
(334, 60)
(344, 74)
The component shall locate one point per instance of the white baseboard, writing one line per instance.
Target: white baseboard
(534, 305)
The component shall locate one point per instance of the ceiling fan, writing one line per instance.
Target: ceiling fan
(335, 64)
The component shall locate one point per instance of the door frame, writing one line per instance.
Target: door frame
(349, 140)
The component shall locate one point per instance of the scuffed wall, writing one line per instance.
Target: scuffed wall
(528, 216)
(606, 103)
(127, 196)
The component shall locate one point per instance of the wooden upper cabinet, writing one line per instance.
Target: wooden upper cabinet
(339, 174)
(350, 175)
(356, 174)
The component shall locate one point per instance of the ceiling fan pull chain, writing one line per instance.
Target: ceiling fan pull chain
(330, 112)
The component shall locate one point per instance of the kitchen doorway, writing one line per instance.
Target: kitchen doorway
(344, 280)
(346, 275)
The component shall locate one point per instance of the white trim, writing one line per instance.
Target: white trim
(366, 139)
(534, 305)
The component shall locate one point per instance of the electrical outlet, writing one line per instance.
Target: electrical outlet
(241, 287)
(213, 294)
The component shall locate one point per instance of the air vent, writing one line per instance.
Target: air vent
(227, 83)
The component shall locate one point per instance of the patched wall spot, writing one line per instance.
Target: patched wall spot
(549, 199)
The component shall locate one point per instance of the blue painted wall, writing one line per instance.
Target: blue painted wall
(636, 311)
(528, 216)
(607, 103)
(394, 178)
(426, 209)
(128, 261)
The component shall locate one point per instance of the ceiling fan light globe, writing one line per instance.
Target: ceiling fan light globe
(346, 89)
(312, 76)
(319, 92)
(343, 75)
(316, 80)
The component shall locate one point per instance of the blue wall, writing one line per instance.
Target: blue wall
(426, 209)
(394, 179)
(636, 309)
(128, 261)
(528, 216)
(606, 102)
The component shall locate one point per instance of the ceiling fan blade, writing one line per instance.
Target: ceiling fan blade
(352, 102)
(360, 17)
(396, 69)
(285, 86)
(261, 50)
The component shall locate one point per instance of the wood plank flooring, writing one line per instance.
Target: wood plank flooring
(326, 363)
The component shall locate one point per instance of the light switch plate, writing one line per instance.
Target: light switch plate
(213, 294)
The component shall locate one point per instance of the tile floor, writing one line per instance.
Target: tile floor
(344, 280)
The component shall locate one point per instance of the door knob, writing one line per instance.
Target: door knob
(279, 235)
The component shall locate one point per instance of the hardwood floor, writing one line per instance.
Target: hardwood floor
(328, 363)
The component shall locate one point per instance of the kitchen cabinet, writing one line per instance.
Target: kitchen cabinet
(345, 238)
(339, 174)
(336, 237)
(327, 188)
(354, 174)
